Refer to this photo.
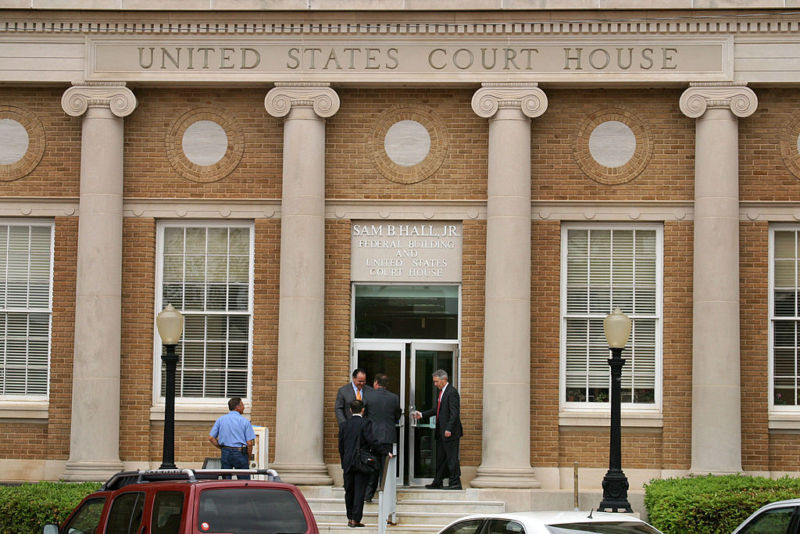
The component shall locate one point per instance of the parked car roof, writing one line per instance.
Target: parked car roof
(538, 522)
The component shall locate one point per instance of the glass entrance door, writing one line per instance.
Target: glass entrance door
(410, 366)
(425, 359)
(388, 357)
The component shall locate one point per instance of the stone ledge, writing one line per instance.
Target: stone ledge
(33, 411)
(387, 5)
(578, 419)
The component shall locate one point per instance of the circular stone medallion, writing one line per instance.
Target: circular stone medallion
(408, 144)
(205, 145)
(613, 146)
(22, 142)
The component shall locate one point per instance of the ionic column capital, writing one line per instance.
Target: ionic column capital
(527, 97)
(738, 98)
(114, 95)
(320, 97)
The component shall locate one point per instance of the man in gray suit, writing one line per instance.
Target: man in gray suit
(355, 390)
(384, 412)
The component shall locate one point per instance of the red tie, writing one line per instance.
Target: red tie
(439, 404)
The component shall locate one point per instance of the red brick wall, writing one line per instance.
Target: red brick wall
(763, 175)
(58, 172)
(668, 176)
(148, 172)
(337, 326)
(351, 174)
(473, 291)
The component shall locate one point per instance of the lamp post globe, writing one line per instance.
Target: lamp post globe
(617, 328)
(170, 326)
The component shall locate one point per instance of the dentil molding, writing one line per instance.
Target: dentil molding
(77, 99)
(739, 98)
(492, 96)
(321, 97)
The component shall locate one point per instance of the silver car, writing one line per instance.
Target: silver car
(549, 523)
(781, 517)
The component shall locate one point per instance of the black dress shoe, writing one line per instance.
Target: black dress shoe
(351, 524)
(433, 485)
(454, 487)
(359, 524)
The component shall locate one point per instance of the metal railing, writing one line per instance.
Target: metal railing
(387, 497)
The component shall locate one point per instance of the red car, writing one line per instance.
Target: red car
(183, 501)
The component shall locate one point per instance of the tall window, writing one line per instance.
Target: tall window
(205, 271)
(26, 275)
(785, 318)
(605, 267)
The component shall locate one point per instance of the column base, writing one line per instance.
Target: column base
(304, 474)
(505, 477)
(79, 471)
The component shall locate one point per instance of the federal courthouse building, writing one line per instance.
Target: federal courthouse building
(402, 186)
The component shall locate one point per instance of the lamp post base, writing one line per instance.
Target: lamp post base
(615, 492)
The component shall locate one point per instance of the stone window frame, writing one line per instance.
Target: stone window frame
(780, 417)
(789, 134)
(440, 144)
(613, 175)
(36, 143)
(33, 407)
(198, 408)
(205, 173)
(593, 414)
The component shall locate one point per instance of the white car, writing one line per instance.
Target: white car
(549, 523)
(774, 518)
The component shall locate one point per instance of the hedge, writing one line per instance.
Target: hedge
(712, 504)
(25, 509)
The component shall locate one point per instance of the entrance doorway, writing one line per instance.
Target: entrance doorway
(410, 366)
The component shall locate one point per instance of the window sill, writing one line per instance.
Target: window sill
(201, 413)
(30, 410)
(603, 419)
(784, 420)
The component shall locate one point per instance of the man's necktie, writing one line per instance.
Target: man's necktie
(439, 404)
(358, 394)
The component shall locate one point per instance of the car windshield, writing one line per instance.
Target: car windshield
(621, 527)
(250, 511)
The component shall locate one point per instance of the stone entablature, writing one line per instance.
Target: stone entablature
(669, 47)
(381, 5)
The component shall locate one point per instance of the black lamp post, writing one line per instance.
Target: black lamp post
(170, 326)
(617, 327)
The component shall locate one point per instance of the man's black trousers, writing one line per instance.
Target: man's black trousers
(355, 484)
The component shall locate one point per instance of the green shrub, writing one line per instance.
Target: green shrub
(27, 508)
(712, 504)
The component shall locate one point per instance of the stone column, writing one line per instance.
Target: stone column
(94, 432)
(716, 410)
(506, 454)
(300, 404)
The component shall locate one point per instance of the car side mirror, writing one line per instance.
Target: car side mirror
(50, 529)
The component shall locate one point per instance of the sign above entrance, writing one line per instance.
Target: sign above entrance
(393, 59)
(406, 251)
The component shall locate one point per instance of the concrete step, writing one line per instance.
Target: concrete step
(433, 519)
(334, 504)
(370, 528)
(418, 510)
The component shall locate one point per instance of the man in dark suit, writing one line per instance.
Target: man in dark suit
(355, 432)
(384, 412)
(447, 410)
(355, 390)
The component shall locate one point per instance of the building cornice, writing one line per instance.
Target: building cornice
(507, 23)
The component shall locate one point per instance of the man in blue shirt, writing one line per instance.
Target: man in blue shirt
(234, 436)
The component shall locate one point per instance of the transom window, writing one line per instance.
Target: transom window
(605, 267)
(205, 271)
(785, 318)
(26, 275)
